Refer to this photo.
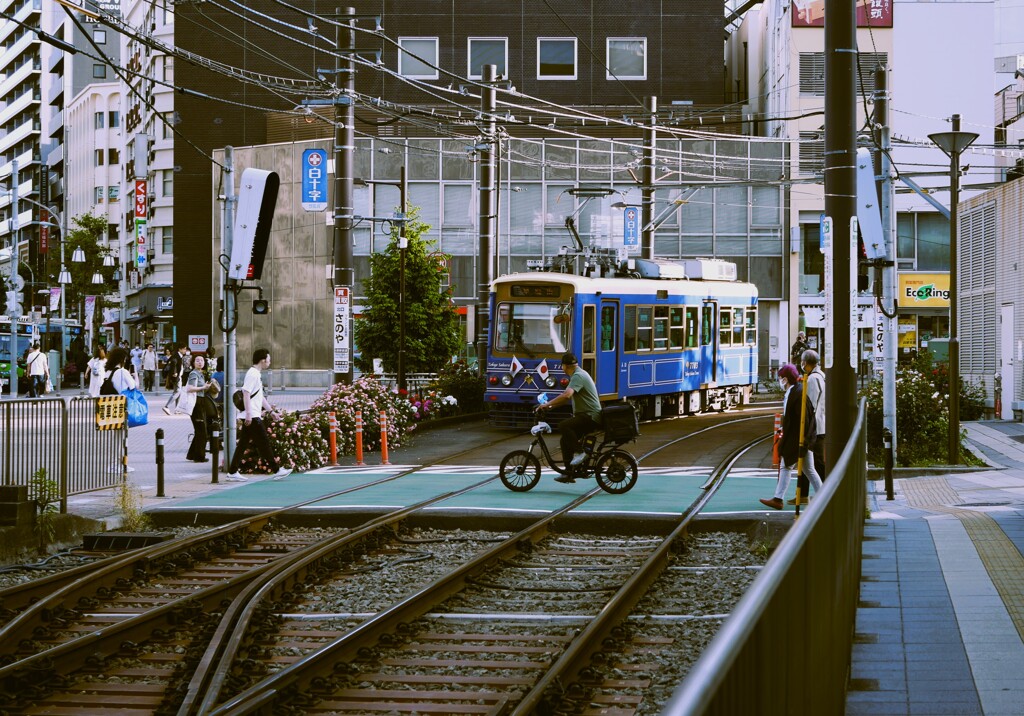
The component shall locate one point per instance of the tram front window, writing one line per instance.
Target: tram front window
(531, 328)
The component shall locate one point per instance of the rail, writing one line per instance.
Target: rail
(786, 647)
(61, 437)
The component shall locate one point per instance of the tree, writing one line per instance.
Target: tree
(432, 332)
(87, 233)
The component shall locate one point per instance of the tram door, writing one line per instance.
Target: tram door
(709, 342)
(607, 350)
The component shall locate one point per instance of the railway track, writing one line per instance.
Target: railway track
(224, 647)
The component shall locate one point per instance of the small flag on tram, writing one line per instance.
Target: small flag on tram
(515, 367)
(542, 369)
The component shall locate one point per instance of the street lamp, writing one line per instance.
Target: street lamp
(953, 143)
(403, 244)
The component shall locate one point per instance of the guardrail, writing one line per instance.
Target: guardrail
(62, 437)
(786, 647)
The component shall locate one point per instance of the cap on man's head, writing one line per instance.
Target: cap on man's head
(568, 359)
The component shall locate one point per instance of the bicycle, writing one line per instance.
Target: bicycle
(614, 468)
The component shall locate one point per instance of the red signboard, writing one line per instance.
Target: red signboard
(870, 13)
(44, 231)
(140, 199)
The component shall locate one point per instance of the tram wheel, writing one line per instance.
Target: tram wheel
(520, 470)
(616, 472)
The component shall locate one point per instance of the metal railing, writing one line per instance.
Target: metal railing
(786, 647)
(61, 437)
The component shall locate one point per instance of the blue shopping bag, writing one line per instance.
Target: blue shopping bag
(137, 407)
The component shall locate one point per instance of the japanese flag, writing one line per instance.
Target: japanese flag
(515, 367)
(542, 369)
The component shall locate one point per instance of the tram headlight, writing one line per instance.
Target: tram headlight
(506, 380)
(550, 381)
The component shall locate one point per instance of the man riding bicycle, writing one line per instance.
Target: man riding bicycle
(586, 408)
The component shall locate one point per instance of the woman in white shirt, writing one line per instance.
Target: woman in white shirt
(119, 375)
(97, 371)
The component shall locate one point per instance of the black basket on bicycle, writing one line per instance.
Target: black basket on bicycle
(620, 423)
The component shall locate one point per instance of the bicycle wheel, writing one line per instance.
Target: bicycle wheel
(520, 470)
(616, 472)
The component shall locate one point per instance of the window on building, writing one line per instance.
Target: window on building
(114, 118)
(167, 240)
(113, 192)
(487, 51)
(556, 58)
(98, 120)
(99, 37)
(168, 182)
(97, 195)
(99, 72)
(168, 69)
(113, 156)
(417, 57)
(627, 58)
(99, 157)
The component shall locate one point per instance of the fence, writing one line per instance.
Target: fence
(786, 647)
(62, 438)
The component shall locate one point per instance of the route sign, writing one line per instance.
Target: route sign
(630, 226)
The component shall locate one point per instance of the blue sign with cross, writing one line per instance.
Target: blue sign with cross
(314, 180)
(631, 226)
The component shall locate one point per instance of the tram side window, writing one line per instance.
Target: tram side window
(707, 320)
(629, 327)
(692, 332)
(589, 329)
(751, 332)
(660, 328)
(675, 331)
(724, 328)
(644, 326)
(737, 327)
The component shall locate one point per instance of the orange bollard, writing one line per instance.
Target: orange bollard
(334, 438)
(775, 441)
(384, 438)
(359, 438)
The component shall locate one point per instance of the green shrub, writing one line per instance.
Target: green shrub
(463, 383)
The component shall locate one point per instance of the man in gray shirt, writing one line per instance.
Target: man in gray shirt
(586, 408)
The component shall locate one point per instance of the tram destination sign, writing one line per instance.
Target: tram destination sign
(526, 290)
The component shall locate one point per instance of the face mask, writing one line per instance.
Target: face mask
(782, 383)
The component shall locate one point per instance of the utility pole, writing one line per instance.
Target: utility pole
(647, 177)
(344, 167)
(841, 206)
(403, 244)
(885, 318)
(229, 308)
(488, 220)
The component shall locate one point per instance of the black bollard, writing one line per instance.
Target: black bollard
(160, 462)
(887, 442)
(215, 457)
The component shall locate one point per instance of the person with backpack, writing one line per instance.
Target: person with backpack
(789, 445)
(119, 378)
(253, 431)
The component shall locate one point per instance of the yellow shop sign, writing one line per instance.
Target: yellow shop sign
(924, 290)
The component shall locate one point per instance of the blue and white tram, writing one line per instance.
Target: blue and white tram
(671, 338)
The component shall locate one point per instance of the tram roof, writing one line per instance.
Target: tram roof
(585, 284)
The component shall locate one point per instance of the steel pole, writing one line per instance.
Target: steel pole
(485, 258)
(954, 343)
(344, 168)
(647, 190)
(403, 242)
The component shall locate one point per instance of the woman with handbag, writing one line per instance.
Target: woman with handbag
(118, 378)
(97, 371)
(194, 402)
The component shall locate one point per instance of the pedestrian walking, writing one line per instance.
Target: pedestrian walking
(814, 379)
(796, 351)
(119, 378)
(176, 366)
(149, 367)
(38, 371)
(254, 432)
(194, 402)
(97, 370)
(789, 445)
(136, 366)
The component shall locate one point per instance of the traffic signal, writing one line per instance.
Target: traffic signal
(260, 307)
(14, 307)
(254, 216)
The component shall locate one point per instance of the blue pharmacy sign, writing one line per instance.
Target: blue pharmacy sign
(314, 180)
(630, 226)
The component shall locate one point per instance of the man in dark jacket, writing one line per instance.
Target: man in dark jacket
(789, 445)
